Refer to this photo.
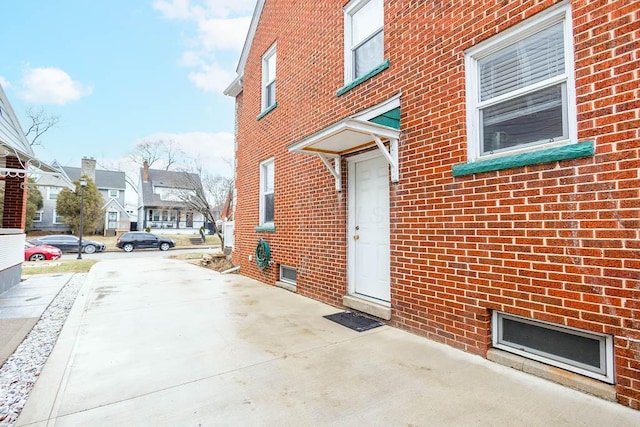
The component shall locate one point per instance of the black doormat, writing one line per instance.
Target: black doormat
(354, 321)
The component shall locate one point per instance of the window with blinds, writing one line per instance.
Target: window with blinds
(520, 88)
(364, 37)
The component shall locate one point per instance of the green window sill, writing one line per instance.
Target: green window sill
(265, 228)
(267, 111)
(380, 68)
(566, 152)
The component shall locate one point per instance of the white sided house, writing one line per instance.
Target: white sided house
(162, 207)
(17, 164)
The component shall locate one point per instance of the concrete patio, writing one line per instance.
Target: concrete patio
(165, 343)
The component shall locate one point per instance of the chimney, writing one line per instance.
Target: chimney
(145, 171)
(88, 168)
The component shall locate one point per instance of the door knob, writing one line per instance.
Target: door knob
(356, 237)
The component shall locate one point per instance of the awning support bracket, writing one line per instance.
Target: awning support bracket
(335, 169)
(390, 156)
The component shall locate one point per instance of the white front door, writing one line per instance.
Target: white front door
(368, 228)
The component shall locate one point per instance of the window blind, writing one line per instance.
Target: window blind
(524, 63)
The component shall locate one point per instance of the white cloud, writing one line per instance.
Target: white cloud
(51, 85)
(223, 34)
(202, 9)
(220, 26)
(190, 59)
(176, 9)
(214, 151)
(4, 83)
(211, 78)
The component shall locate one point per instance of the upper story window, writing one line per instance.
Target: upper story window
(114, 194)
(173, 194)
(266, 192)
(269, 78)
(53, 192)
(364, 37)
(520, 87)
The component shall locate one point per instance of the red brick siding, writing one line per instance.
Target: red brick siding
(555, 242)
(15, 197)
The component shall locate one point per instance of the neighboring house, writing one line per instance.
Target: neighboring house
(17, 163)
(132, 211)
(161, 205)
(467, 171)
(50, 186)
(111, 185)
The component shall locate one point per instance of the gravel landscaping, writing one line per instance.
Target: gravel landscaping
(21, 370)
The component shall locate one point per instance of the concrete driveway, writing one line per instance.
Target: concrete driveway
(163, 343)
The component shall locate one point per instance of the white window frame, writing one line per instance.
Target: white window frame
(545, 19)
(37, 217)
(267, 80)
(117, 194)
(55, 217)
(53, 191)
(116, 221)
(606, 347)
(349, 63)
(263, 179)
(284, 279)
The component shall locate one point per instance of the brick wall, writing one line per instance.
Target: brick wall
(15, 197)
(557, 242)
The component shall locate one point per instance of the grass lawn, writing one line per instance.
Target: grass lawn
(59, 266)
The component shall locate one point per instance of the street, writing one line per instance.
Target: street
(140, 253)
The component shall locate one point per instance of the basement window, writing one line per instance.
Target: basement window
(287, 274)
(582, 352)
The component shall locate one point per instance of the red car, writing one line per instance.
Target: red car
(40, 253)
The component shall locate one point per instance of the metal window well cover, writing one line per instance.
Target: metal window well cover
(354, 321)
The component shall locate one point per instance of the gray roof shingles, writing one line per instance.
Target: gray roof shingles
(168, 179)
(104, 179)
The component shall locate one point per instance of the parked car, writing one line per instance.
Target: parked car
(143, 240)
(68, 243)
(40, 253)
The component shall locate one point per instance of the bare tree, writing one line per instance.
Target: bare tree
(166, 152)
(217, 188)
(40, 123)
(205, 194)
(195, 197)
(172, 153)
(146, 151)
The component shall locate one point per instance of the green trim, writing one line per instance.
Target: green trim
(267, 111)
(566, 152)
(380, 68)
(265, 228)
(391, 118)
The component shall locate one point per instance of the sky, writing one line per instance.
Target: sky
(121, 72)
